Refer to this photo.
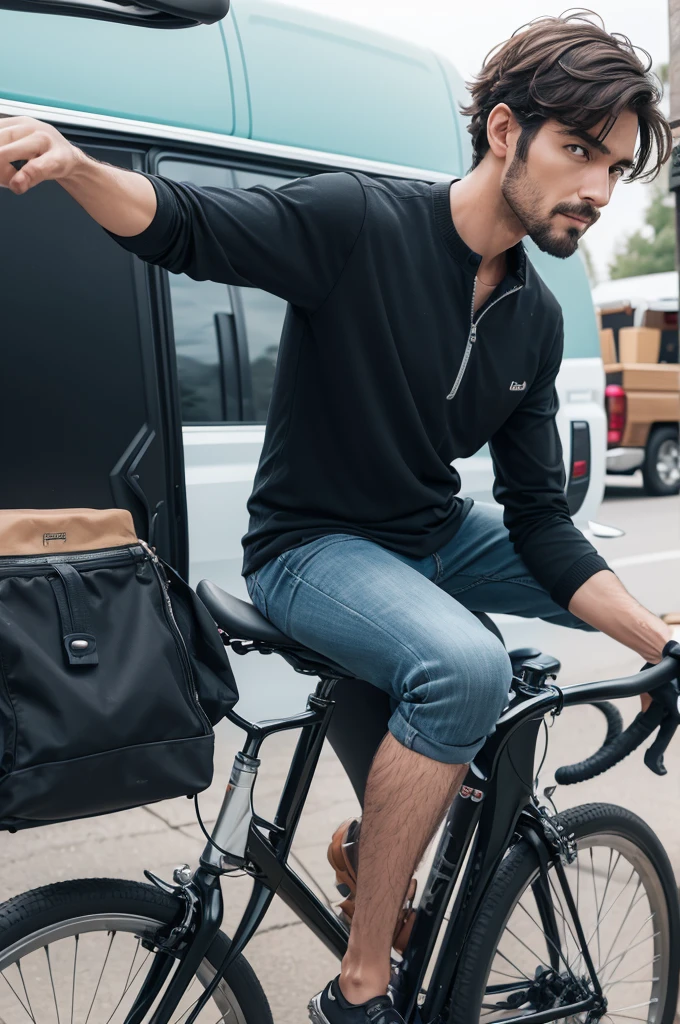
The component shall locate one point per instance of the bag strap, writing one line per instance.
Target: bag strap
(79, 642)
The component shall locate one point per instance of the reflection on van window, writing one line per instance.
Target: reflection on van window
(264, 314)
(206, 393)
(200, 372)
(199, 367)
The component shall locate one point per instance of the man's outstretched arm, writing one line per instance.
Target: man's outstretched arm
(293, 241)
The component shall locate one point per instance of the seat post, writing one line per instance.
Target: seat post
(229, 840)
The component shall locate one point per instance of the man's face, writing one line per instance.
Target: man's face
(567, 178)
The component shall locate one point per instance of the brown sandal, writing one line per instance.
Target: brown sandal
(343, 857)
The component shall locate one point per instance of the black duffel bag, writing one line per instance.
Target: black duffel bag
(112, 672)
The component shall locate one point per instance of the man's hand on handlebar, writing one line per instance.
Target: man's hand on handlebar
(32, 151)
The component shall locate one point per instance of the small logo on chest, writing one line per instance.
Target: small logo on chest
(518, 387)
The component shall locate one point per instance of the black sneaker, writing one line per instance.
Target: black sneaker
(331, 1007)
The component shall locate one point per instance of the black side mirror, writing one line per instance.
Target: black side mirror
(149, 13)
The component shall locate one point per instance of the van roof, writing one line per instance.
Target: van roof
(654, 291)
(312, 82)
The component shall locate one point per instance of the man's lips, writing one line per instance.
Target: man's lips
(579, 220)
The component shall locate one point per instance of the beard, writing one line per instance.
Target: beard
(524, 197)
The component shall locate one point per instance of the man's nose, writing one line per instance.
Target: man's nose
(596, 189)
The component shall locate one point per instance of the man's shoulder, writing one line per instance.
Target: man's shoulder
(538, 293)
(394, 189)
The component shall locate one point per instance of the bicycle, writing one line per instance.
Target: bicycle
(504, 930)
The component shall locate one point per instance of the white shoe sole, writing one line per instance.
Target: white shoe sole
(316, 1015)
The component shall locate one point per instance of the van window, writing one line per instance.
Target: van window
(217, 385)
(264, 315)
(195, 306)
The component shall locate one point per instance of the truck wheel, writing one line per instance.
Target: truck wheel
(661, 468)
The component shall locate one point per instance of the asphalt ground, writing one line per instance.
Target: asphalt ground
(290, 962)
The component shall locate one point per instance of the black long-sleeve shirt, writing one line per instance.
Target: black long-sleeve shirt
(362, 428)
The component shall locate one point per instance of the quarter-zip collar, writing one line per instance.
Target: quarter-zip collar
(461, 252)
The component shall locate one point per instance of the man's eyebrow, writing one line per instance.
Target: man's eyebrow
(596, 144)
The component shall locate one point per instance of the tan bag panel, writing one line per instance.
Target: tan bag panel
(40, 531)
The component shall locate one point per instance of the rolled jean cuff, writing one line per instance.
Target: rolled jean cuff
(445, 752)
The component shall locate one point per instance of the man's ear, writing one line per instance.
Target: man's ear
(502, 131)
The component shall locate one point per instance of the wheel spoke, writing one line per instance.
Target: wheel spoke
(101, 975)
(508, 960)
(28, 1012)
(21, 975)
(130, 981)
(620, 956)
(73, 987)
(625, 918)
(548, 940)
(54, 992)
(592, 870)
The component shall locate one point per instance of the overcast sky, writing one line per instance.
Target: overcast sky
(465, 30)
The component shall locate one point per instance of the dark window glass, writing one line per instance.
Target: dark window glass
(264, 314)
(81, 391)
(194, 307)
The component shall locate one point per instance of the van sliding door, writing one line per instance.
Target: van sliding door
(87, 397)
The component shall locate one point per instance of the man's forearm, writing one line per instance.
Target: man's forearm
(602, 601)
(31, 152)
(121, 201)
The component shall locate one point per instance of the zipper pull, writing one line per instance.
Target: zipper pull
(156, 562)
(473, 333)
(150, 552)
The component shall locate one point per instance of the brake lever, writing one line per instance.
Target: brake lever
(654, 755)
(668, 698)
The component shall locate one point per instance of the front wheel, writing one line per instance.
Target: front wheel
(74, 953)
(523, 958)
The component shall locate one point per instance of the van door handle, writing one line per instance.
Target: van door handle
(225, 328)
(238, 388)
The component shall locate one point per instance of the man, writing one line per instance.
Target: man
(417, 331)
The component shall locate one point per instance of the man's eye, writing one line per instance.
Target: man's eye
(574, 146)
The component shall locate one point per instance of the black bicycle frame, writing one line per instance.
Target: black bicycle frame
(483, 819)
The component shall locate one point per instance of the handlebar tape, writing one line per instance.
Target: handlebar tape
(613, 751)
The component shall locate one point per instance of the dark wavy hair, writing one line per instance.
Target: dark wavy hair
(568, 69)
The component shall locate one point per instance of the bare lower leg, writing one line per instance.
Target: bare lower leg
(407, 795)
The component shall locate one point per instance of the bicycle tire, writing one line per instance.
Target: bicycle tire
(513, 880)
(39, 917)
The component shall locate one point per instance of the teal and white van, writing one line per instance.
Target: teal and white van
(122, 384)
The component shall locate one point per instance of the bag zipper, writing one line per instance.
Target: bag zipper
(472, 336)
(9, 563)
(177, 635)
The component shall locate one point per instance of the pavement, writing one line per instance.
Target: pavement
(289, 961)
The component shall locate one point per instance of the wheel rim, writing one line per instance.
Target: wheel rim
(87, 970)
(624, 915)
(668, 462)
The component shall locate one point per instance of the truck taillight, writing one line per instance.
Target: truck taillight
(615, 398)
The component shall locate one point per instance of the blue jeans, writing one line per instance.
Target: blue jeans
(406, 625)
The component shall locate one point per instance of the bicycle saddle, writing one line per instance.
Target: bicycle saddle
(240, 620)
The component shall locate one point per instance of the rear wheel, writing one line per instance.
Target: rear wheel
(627, 901)
(73, 953)
(661, 468)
